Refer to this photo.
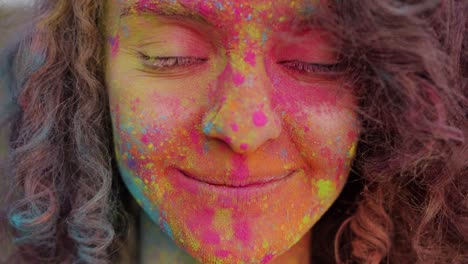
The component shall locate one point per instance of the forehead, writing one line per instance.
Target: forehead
(223, 12)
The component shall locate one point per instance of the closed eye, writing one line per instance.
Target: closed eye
(312, 68)
(163, 63)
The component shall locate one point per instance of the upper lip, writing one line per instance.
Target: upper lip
(250, 181)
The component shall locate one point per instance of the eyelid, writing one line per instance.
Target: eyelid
(164, 31)
(311, 68)
(164, 63)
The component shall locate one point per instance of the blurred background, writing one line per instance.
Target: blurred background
(14, 14)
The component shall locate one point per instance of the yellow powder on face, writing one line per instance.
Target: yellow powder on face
(253, 31)
(306, 220)
(352, 150)
(166, 185)
(156, 190)
(238, 63)
(193, 242)
(156, 194)
(326, 189)
(222, 222)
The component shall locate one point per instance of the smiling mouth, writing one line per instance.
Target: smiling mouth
(258, 183)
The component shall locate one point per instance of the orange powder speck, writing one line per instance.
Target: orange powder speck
(166, 185)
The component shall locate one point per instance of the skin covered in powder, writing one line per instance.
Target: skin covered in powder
(231, 93)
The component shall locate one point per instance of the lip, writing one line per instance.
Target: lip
(240, 194)
(252, 184)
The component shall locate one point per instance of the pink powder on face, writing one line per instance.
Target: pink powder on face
(234, 127)
(115, 43)
(238, 78)
(326, 153)
(240, 170)
(210, 237)
(222, 253)
(259, 118)
(340, 170)
(242, 231)
(145, 139)
(352, 135)
(267, 258)
(195, 137)
(244, 146)
(145, 2)
(203, 221)
(250, 58)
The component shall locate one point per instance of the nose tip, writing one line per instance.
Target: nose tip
(244, 130)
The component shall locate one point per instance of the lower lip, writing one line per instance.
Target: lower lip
(180, 179)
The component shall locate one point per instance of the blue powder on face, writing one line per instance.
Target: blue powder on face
(208, 127)
(264, 38)
(165, 225)
(135, 186)
(131, 164)
(284, 153)
(219, 6)
(168, 230)
(125, 31)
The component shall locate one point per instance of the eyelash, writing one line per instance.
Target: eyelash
(309, 68)
(169, 63)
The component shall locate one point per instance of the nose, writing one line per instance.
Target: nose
(241, 114)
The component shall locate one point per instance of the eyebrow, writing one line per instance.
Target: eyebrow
(164, 9)
(167, 9)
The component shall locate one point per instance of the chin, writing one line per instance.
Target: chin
(222, 228)
(234, 251)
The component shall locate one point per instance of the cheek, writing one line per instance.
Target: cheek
(150, 121)
(154, 124)
(326, 142)
(320, 120)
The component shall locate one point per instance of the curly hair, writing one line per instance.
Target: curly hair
(406, 200)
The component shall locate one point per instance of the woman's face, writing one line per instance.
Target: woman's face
(233, 128)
